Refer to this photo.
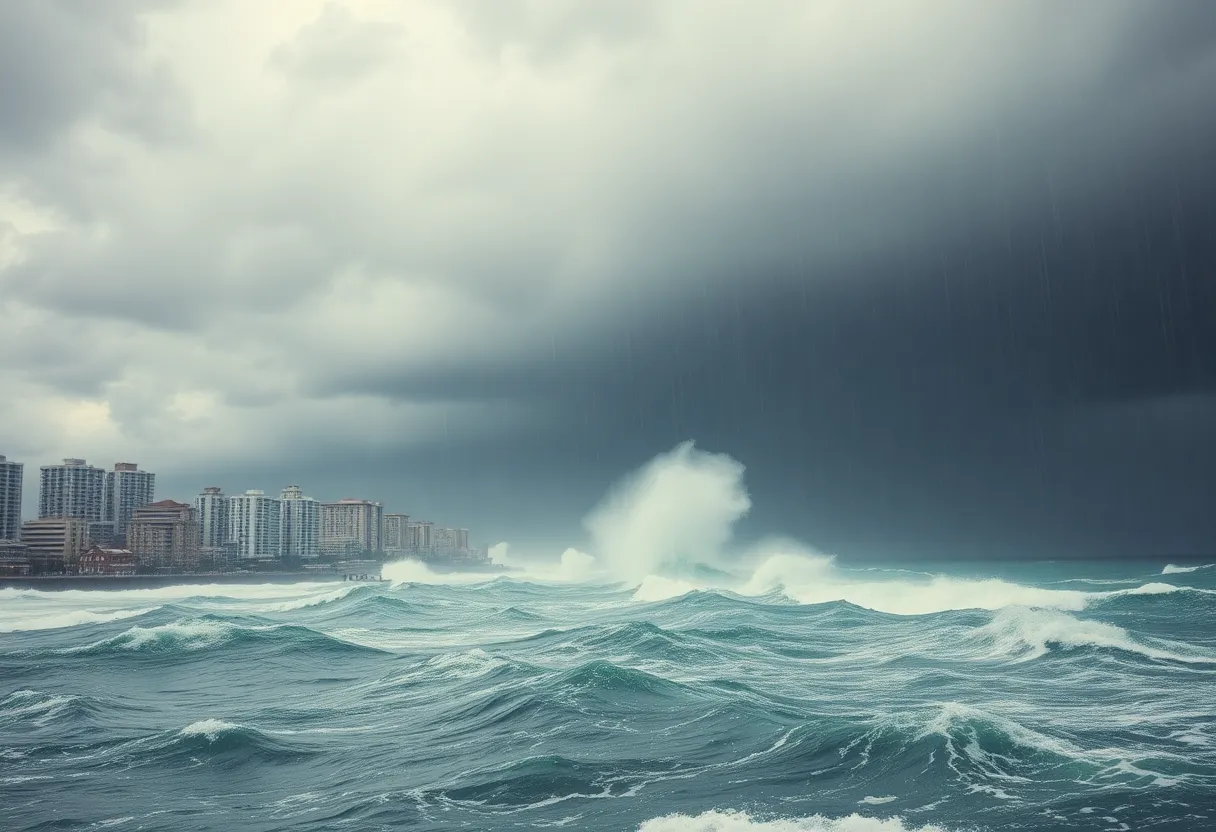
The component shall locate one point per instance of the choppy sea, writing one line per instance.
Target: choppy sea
(805, 696)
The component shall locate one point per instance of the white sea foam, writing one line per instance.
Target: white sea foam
(182, 635)
(163, 594)
(416, 572)
(41, 708)
(311, 600)
(13, 621)
(1171, 569)
(878, 801)
(658, 588)
(209, 728)
(730, 821)
(678, 509)
(1022, 633)
(815, 579)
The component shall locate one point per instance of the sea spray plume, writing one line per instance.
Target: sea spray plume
(677, 510)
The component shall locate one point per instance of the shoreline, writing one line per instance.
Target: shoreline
(52, 583)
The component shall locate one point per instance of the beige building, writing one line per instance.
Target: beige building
(350, 527)
(55, 543)
(165, 536)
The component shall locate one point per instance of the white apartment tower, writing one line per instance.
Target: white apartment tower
(300, 524)
(420, 536)
(350, 527)
(214, 513)
(73, 489)
(11, 474)
(127, 488)
(396, 532)
(255, 524)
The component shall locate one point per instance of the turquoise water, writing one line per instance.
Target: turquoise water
(804, 696)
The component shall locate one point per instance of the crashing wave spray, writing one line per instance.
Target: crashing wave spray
(675, 512)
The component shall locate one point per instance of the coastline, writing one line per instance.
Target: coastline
(51, 583)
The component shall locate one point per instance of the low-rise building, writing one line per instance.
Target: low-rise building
(98, 561)
(54, 543)
(14, 558)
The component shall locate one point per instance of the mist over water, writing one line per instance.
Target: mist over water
(668, 679)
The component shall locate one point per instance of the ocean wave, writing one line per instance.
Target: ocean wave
(217, 740)
(71, 618)
(312, 600)
(166, 594)
(732, 821)
(1022, 634)
(416, 572)
(1171, 569)
(41, 709)
(190, 636)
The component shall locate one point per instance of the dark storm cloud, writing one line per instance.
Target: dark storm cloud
(61, 60)
(940, 275)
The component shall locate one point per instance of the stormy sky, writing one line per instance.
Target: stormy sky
(941, 275)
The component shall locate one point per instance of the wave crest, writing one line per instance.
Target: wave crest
(732, 821)
(1021, 634)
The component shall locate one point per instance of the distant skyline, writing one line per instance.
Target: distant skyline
(940, 275)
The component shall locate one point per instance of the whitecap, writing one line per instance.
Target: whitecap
(211, 729)
(732, 821)
(73, 618)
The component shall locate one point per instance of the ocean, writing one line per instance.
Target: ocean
(800, 694)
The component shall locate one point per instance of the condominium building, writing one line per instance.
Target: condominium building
(255, 526)
(54, 543)
(165, 536)
(11, 474)
(396, 532)
(444, 540)
(73, 489)
(214, 511)
(420, 535)
(351, 526)
(126, 489)
(300, 530)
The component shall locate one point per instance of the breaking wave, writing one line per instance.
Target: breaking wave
(731, 821)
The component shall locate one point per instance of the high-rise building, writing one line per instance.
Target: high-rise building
(255, 524)
(462, 540)
(54, 542)
(421, 534)
(396, 532)
(11, 474)
(214, 510)
(164, 535)
(300, 530)
(126, 489)
(350, 527)
(73, 489)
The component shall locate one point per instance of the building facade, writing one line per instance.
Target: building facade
(255, 526)
(73, 489)
(165, 536)
(214, 510)
(97, 560)
(396, 533)
(300, 531)
(11, 475)
(350, 527)
(14, 558)
(54, 543)
(126, 489)
(421, 536)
